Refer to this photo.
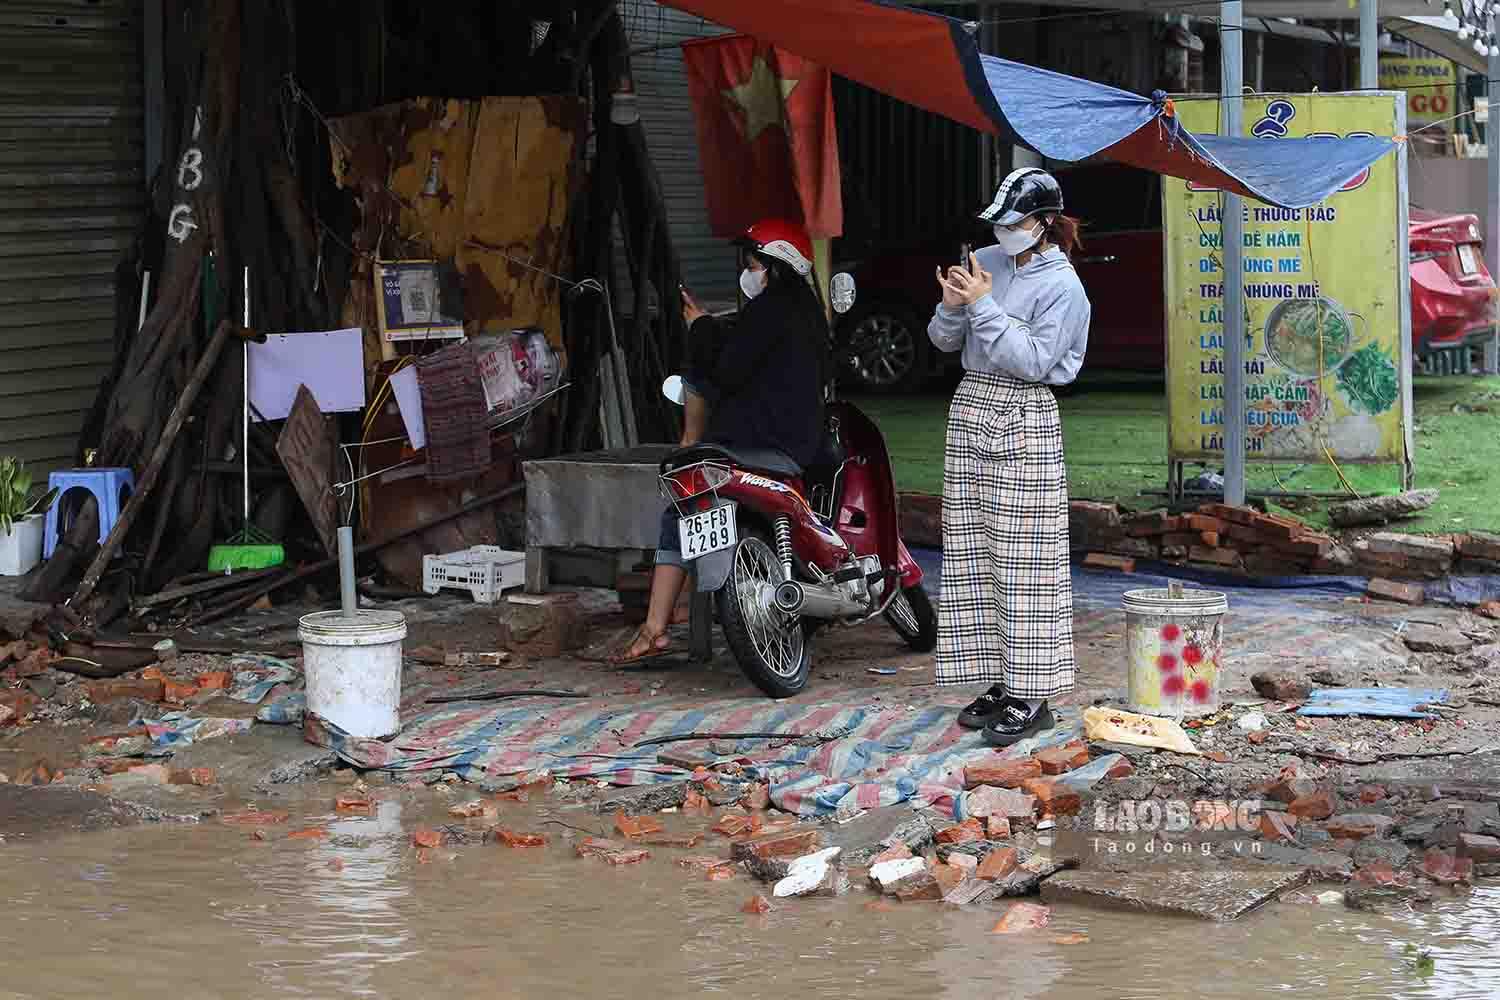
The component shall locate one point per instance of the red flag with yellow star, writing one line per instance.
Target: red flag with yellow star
(766, 135)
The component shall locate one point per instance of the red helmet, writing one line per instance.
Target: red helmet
(783, 240)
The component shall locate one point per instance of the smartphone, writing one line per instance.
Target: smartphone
(963, 256)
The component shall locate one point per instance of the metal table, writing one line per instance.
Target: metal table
(608, 500)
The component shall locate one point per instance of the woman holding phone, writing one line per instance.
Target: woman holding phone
(1019, 314)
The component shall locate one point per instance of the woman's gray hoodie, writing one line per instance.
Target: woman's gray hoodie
(1034, 324)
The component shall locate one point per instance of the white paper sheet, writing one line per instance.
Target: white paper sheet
(409, 399)
(330, 363)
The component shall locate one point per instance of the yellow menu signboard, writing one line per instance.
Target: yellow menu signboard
(1327, 367)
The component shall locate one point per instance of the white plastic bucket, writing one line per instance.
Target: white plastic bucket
(1174, 647)
(353, 669)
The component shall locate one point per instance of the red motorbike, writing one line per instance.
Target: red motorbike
(790, 550)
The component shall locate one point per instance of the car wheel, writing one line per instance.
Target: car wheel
(884, 349)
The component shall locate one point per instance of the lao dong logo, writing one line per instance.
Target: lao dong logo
(1273, 125)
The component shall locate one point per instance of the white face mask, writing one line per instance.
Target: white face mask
(752, 283)
(1016, 241)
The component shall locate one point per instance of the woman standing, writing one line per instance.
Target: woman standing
(1019, 314)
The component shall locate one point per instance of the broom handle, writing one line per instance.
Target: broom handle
(245, 419)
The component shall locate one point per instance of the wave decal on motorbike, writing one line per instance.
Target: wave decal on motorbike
(747, 479)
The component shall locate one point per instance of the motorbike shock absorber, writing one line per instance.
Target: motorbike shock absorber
(784, 545)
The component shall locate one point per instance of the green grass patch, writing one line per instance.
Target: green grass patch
(1115, 433)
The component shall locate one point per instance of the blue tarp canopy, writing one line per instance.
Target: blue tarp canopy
(933, 62)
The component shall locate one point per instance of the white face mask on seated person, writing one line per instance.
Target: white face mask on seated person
(752, 282)
(1020, 239)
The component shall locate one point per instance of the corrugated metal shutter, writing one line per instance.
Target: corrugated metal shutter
(708, 263)
(71, 199)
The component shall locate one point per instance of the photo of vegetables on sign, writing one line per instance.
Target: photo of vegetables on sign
(1323, 301)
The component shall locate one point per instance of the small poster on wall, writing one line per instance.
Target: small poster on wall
(418, 300)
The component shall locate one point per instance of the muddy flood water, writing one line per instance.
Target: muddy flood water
(206, 911)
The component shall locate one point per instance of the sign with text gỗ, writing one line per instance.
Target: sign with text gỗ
(1324, 370)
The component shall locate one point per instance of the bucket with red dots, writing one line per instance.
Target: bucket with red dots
(1174, 643)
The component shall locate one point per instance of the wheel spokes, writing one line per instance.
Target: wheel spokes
(776, 638)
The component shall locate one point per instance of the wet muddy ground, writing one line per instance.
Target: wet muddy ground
(206, 910)
(126, 885)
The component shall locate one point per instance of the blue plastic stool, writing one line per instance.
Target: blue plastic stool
(109, 487)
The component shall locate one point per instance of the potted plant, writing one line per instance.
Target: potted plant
(22, 521)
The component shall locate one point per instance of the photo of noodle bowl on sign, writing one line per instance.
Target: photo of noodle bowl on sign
(1309, 338)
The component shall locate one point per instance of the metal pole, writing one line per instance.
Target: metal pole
(1492, 216)
(1369, 45)
(348, 596)
(1232, 77)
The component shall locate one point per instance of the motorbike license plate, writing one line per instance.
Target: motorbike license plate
(1468, 260)
(708, 532)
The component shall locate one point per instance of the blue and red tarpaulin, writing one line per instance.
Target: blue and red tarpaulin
(933, 62)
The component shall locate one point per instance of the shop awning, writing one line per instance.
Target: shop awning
(933, 62)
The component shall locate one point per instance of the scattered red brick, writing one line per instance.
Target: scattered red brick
(759, 797)
(1278, 827)
(757, 905)
(896, 852)
(1217, 756)
(721, 874)
(1258, 737)
(683, 840)
(353, 804)
(700, 863)
(967, 831)
(922, 886)
(1357, 826)
(214, 680)
(947, 876)
(1122, 769)
(177, 692)
(1213, 814)
(1446, 867)
(1023, 917)
(1002, 774)
(778, 844)
(203, 777)
(1372, 793)
(696, 802)
(997, 864)
(512, 839)
(255, 817)
(997, 828)
(631, 827)
(732, 824)
(1103, 560)
(103, 692)
(1378, 873)
(1392, 590)
(427, 838)
(308, 833)
(1318, 805)
(1060, 760)
(1053, 799)
(593, 847)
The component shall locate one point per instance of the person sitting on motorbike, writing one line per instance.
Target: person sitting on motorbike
(755, 384)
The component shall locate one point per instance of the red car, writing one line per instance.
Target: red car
(884, 342)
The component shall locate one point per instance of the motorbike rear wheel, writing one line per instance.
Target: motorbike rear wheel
(771, 648)
(912, 616)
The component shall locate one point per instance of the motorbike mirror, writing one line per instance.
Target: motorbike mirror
(841, 292)
(672, 389)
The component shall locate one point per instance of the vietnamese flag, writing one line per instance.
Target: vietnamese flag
(765, 135)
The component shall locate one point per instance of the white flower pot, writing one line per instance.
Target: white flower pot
(21, 550)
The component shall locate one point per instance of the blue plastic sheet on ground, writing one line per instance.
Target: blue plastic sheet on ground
(1384, 703)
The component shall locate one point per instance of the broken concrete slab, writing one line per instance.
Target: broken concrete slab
(866, 836)
(1216, 893)
(1329, 866)
(645, 798)
(1033, 869)
(1421, 638)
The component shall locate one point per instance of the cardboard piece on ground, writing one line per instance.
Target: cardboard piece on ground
(330, 363)
(1106, 725)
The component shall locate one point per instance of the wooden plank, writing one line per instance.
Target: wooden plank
(306, 447)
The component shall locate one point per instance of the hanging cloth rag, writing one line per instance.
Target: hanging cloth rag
(453, 410)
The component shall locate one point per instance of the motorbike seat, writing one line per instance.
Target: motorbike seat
(768, 460)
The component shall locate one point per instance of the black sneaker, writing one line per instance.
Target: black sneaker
(1015, 721)
(981, 710)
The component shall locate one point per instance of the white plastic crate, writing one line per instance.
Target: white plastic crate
(486, 571)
